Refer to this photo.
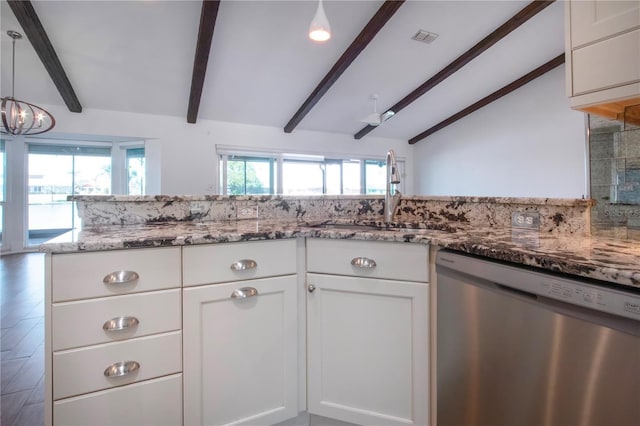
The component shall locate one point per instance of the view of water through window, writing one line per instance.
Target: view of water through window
(55, 176)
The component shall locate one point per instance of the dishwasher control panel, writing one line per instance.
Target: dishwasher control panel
(591, 296)
(581, 293)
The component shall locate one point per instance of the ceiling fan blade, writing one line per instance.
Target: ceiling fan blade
(373, 119)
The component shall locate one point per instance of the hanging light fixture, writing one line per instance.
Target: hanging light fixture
(320, 30)
(20, 117)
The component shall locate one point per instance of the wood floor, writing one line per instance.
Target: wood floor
(22, 339)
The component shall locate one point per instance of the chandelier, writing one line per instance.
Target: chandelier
(20, 117)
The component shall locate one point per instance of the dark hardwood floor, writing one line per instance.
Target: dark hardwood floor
(22, 339)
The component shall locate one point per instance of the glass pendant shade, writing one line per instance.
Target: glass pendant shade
(320, 30)
(20, 117)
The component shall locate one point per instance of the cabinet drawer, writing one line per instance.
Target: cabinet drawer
(154, 402)
(82, 275)
(610, 63)
(207, 264)
(80, 323)
(79, 371)
(398, 261)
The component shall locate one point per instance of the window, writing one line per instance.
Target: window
(249, 175)
(303, 177)
(249, 172)
(135, 171)
(375, 173)
(54, 173)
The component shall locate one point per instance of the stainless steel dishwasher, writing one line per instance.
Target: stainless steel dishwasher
(518, 347)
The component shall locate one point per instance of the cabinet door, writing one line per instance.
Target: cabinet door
(596, 20)
(368, 350)
(240, 355)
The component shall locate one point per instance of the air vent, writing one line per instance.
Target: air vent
(424, 36)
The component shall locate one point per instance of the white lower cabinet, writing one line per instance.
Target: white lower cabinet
(368, 333)
(367, 350)
(240, 358)
(231, 350)
(113, 340)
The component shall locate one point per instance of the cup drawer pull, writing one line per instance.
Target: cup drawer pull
(363, 262)
(121, 277)
(243, 264)
(120, 323)
(121, 369)
(244, 292)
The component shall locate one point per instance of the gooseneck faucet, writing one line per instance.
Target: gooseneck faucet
(393, 177)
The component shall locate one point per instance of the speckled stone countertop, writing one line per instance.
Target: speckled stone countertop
(615, 261)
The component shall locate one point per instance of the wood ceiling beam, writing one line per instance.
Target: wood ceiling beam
(558, 60)
(528, 12)
(382, 16)
(208, 17)
(31, 25)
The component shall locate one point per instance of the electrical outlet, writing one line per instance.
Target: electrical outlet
(197, 208)
(247, 211)
(528, 220)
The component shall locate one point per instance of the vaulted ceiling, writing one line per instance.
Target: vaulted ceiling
(138, 56)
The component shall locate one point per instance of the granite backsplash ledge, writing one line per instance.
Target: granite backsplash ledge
(556, 215)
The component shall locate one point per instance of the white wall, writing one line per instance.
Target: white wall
(186, 152)
(526, 144)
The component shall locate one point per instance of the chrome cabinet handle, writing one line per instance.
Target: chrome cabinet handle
(121, 277)
(120, 369)
(244, 292)
(363, 262)
(311, 288)
(120, 323)
(243, 264)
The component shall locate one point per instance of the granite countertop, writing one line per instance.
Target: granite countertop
(615, 261)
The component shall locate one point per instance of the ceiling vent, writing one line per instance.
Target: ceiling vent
(424, 36)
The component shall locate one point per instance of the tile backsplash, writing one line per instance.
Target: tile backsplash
(615, 178)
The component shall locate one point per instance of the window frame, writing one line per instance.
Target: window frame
(279, 157)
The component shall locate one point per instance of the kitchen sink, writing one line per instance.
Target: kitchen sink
(359, 227)
(349, 226)
(363, 227)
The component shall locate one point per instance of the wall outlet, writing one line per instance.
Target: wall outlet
(197, 208)
(528, 220)
(247, 211)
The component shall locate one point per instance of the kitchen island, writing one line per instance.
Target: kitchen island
(298, 295)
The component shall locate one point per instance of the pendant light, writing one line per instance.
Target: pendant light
(320, 30)
(20, 117)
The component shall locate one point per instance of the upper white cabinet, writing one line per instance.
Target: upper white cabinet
(367, 337)
(592, 21)
(603, 56)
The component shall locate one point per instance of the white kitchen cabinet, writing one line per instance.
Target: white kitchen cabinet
(367, 338)
(603, 55)
(240, 358)
(114, 332)
(240, 353)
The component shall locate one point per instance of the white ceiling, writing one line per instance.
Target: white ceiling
(137, 56)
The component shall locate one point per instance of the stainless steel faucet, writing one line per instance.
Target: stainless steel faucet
(393, 177)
